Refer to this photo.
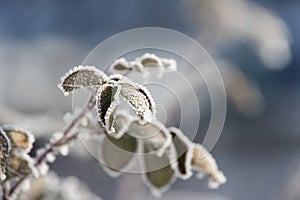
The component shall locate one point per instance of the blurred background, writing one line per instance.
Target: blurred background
(254, 43)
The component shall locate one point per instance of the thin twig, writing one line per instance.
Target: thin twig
(88, 107)
(65, 139)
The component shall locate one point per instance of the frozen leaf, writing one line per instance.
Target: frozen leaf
(150, 60)
(152, 132)
(139, 99)
(19, 164)
(159, 173)
(203, 162)
(184, 152)
(120, 65)
(107, 100)
(117, 154)
(162, 64)
(169, 64)
(4, 152)
(81, 76)
(19, 137)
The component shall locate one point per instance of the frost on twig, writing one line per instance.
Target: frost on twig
(141, 64)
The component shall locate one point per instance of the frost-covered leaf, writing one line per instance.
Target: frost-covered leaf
(203, 162)
(107, 99)
(159, 173)
(4, 153)
(152, 132)
(169, 64)
(150, 60)
(117, 154)
(139, 99)
(184, 152)
(162, 64)
(19, 137)
(121, 65)
(81, 76)
(19, 164)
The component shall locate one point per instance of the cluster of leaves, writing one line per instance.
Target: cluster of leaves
(16, 163)
(142, 64)
(166, 152)
(163, 154)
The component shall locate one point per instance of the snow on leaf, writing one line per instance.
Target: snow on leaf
(19, 137)
(159, 173)
(117, 154)
(169, 64)
(107, 99)
(120, 65)
(150, 60)
(4, 153)
(184, 153)
(204, 162)
(139, 99)
(162, 64)
(81, 76)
